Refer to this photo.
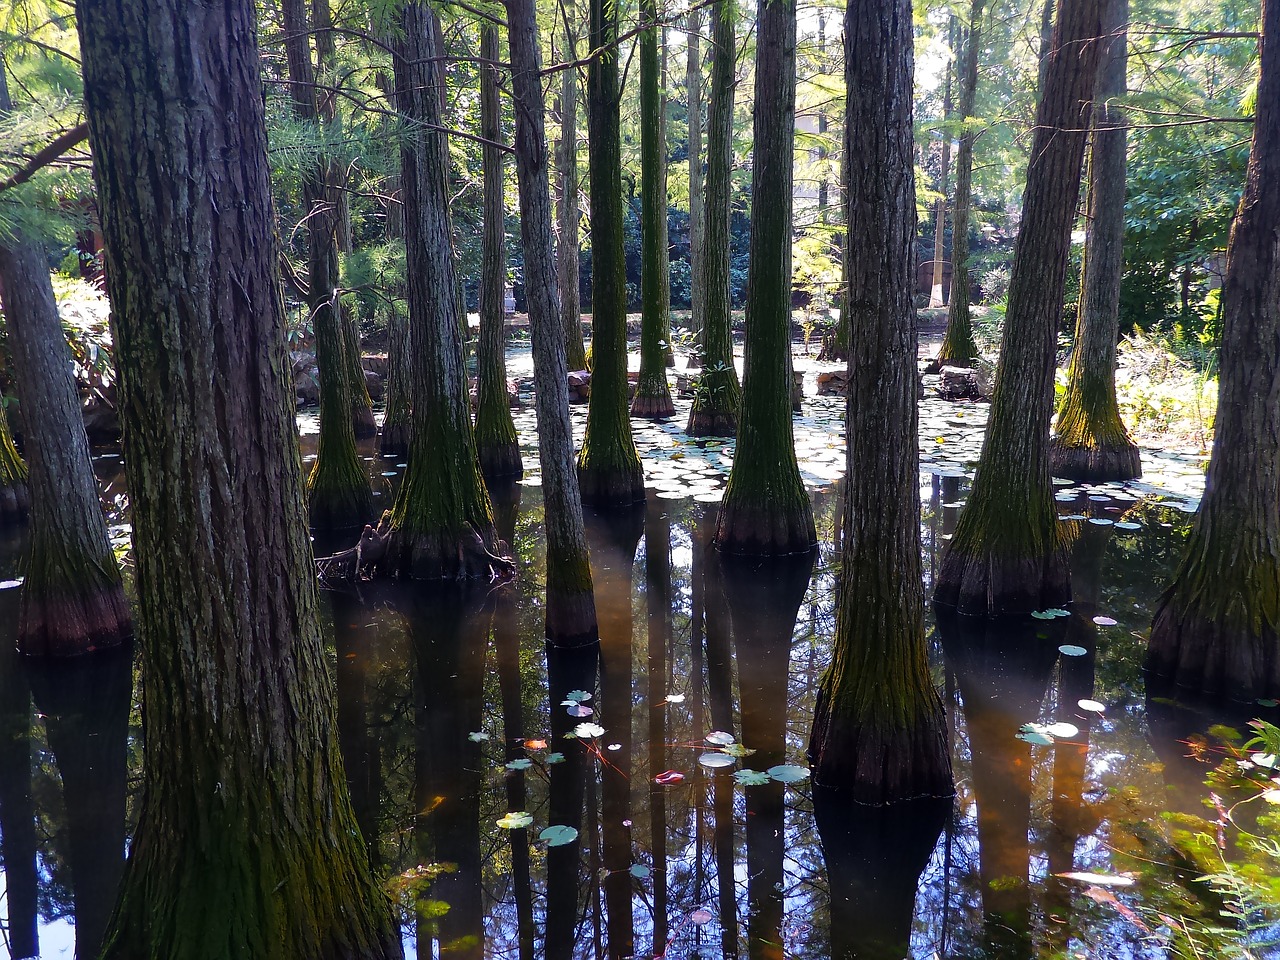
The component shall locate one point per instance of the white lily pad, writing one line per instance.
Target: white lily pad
(720, 738)
(1091, 706)
(1071, 650)
(716, 760)
(789, 773)
(587, 731)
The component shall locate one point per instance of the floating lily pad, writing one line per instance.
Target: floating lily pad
(521, 764)
(716, 760)
(701, 916)
(558, 835)
(579, 710)
(1128, 525)
(10, 584)
(1104, 621)
(588, 730)
(477, 736)
(668, 777)
(1091, 706)
(639, 870)
(576, 696)
(1071, 650)
(737, 750)
(1261, 703)
(555, 758)
(720, 738)
(515, 821)
(789, 773)
(751, 778)
(1038, 739)
(1099, 879)
(1062, 730)
(1101, 521)
(675, 698)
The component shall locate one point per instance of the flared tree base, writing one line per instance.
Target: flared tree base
(500, 460)
(336, 510)
(866, 761)
(571, 619)
(443, 555)
(986, 585)
(706, 420)
(394, 440)
(1095, 463)
(611, 486)
(835, 349)
(653, 400)
(1214, 656)
(765, 530)
(363, 423)
(72, 623)
(15, 503)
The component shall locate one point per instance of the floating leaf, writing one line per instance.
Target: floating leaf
(477, 736)
(737, 750)
(521, 764)
(716, 760)
(789, 773)
(1264, 759)
(701, 916)
(751, 778)
(675, 698)
(1071, 650)
(577, 696)
(10, 584)
(615, 746)
(1038, 739)
(535, 744)
(639, 870)
(558, 836)
(579, 711)
(516, 821)
(1261, 703)
(1101, 521)
(555, 758)
(1092, 706)
(668, 777)
(1099, 879)
(1128, 525)
(1062, 730)
(1271, 796)
(720, 738)
(588, 730)
(1104, 621)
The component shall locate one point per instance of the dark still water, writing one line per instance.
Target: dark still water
(651, 798)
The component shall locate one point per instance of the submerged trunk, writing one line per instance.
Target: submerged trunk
(715, 403)
(766, 509)
(442, 524)
(571, 610)
(958, 347)
(1217, 629)
(72, 599)
(18, 846)
(609, 470)
(496, 442)
(1091, 443)
(569, 215)
(653, 395)
(246, 844)
(1007, 553)
(879, 732)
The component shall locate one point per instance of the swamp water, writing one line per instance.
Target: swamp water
(651, 798)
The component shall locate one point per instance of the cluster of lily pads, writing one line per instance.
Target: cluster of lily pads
(1046, 734)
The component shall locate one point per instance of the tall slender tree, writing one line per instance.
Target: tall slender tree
(609, 471)
(246, 844)
(653, 395)
(1217, 628)
(1007, 553)
(936, 298)
(570, 609)
(496, 441)
(879, 731)
(569, 216)
(766, 509)
(15, 500)
(715, 403)
(442, 523)
(1091, 442)
(697, 223)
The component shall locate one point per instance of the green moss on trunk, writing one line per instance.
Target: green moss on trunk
(362, 420)
(397, 421)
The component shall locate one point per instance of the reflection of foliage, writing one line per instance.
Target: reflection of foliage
(85, 313)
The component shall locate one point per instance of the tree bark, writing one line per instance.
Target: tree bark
(879, 732)
(1217, 629)
(653, 395)
(609, 471)
(936, 298)
(697, 223)
(1091, 443)
(766, 510)
(1007, 553)
(442, 523)
(18, 846)
(569, 216)
(496, 441)
(397, 420)
(246, 845)
(715, 403)
(571, 610)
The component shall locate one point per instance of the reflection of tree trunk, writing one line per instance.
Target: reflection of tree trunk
(722, 808)
(657, 568)
(613, 538)
(1002, 668)
(85, 703)
(763, 602)
(17, 809)
(448, 626)
(719, 654)
(874, 857)
(360, 754)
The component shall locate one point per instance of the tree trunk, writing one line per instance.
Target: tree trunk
(1007, 553)
(442, 524)
(958, 347)
(936, 298)
(766, 509)
(653, 395)
(879, 732)
(1091, 443)
(835, 345)
(609, 471)
(246, 845)
(18, 846)
(697, 224)
(715, 403)
(1217, 629)
(72, 599)
(339, 497)
(569, 215)
(362, 418)
(496, 441)
(658, 623)
(398, 416)
(571, 610)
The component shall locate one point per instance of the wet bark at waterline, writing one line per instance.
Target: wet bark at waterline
(1217, 629)
(239, 720)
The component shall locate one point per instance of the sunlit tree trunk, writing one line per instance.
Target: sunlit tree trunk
(1216, 629)
(246, 844)
(766, 510)
(1007, 553)
(940, 208)
(1091, 443)
(567, 251)
(697, 224)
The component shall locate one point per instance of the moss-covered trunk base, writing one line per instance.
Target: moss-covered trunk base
(15, 502)
(707, 420)
(611, 485)
(715, 405)
(499, 459)
(653, 398)
(835, 348)
(443, 555)
(338, 503)
(363, 422)
(765, 529)
(73, 621)
(571, 618)
(1211, 653)
(1096, 462)
(394, 440)
(984, 584)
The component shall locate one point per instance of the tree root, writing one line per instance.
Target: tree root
(387, 552)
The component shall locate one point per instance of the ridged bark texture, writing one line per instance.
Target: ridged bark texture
(958, 347)
(1217, 629)
(442, 524)
(653, 395)
(1007, 553)
(567, 250)
(697, 223)
(246, 845)
(397, 421)
(835, 345)
(15, 500)
(362, 419)
(1091, 443)
(496, 441)
(72, 599)
(609, 472)
(715, 403)
(766, 510)
(571, 610)
(879, 733)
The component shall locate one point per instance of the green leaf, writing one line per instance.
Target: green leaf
(558, 836)
(639, 870)
(521, 764)
(751, 778)
(515, 821)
